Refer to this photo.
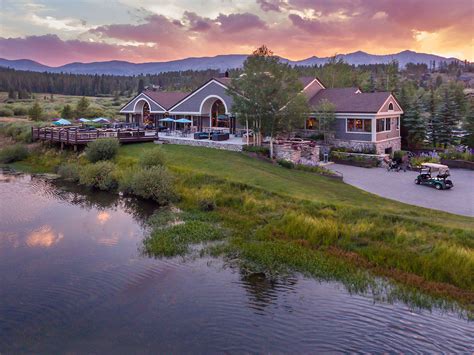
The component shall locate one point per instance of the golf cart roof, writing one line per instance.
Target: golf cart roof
(434, 166)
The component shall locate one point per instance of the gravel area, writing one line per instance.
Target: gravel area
(400, 186)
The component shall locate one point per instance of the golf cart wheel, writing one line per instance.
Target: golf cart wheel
(417, 181)
(438, 186)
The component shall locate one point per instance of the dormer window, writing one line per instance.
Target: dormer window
(390, 106)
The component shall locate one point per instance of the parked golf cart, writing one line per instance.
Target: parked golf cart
(440, 181)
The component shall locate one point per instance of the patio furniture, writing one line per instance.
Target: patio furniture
(220, 136)
(201, 135)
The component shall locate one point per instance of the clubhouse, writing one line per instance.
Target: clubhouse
(364, 120)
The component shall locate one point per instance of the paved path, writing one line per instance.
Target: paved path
(400, 186)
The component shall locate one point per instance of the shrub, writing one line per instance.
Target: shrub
(69, 172)
(286, 163)
(315, 169)
(6, 112)
(17, 131)
(102, 149)
(257, 149)
(20, 111)
(399, 154)
(99, 175)
(150, 183)
(417, 161)
(13, 153)
(152, 157)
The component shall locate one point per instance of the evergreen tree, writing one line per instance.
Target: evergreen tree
(82, 106)
(141, 85)
(67, 112)
(36, 112)
(434, 124)
(448, 117)
(414, 122)
(468, 126)
(392, 77)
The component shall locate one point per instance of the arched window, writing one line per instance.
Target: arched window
(390, 106)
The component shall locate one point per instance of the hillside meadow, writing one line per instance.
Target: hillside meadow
(52, 105)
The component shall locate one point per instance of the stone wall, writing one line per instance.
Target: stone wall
(201, 143)
(353, 145)
(297, 153)
(395, 144)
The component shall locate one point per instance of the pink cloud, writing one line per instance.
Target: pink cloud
(239, 22)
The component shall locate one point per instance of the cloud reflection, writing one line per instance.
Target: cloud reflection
(44, 237)
(103, 217)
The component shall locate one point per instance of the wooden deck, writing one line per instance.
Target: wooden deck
(76, 136)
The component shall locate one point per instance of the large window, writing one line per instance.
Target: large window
(384, 124)
(359, 125)
(312, 123)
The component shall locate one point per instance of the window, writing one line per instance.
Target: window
(312, 123)
(381, 125)
(384, 124)
(359, 125)
(398, 122)
(390, 106)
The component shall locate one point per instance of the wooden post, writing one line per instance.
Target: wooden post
(51, 134)
(67, 136)
(75, 146)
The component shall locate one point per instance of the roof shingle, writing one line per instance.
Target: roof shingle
(167, 99)
(348, 100)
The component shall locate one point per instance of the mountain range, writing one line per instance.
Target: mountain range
(220, 62)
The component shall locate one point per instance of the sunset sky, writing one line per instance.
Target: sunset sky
(56, 32)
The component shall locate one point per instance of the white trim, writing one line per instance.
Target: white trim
(138, 98)
(388, 114)
(363, 115)
(388, 139)
(218, 98)
(196, 91)
(395, 100)
(311, 83)
(362, 125)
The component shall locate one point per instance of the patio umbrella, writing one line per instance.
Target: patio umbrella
(167, 119)
(62, 122)
(100, 119)
(183, 120)
(84, 120)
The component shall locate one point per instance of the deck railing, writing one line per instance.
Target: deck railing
(80, 136)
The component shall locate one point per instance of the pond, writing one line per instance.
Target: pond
(73, 279)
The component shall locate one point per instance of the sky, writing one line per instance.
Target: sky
(56, 32)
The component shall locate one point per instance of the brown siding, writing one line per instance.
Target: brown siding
(393, 133)
(312, 89)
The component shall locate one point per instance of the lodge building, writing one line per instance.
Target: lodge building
(364, 120)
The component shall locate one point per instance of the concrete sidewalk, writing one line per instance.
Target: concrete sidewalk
(400, 186)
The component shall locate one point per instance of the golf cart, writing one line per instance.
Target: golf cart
(440, 181)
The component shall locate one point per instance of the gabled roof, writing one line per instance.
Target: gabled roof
(167, 99)
(351, 100)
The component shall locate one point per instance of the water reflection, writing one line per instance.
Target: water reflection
(44, 237)
(73, 281)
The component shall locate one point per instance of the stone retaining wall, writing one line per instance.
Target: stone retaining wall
(201, 143)
(297, 153)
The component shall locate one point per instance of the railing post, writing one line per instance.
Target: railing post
(67, 136)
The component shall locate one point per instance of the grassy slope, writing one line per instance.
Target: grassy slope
(297, 184)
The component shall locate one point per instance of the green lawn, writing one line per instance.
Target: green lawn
(240, 168)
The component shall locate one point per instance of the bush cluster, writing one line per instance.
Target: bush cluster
(265, 151)
(154, 183)
(286, 163)
(102, 149)
(13, 153)
(6, 112)
(69, 171)
(99, 175)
